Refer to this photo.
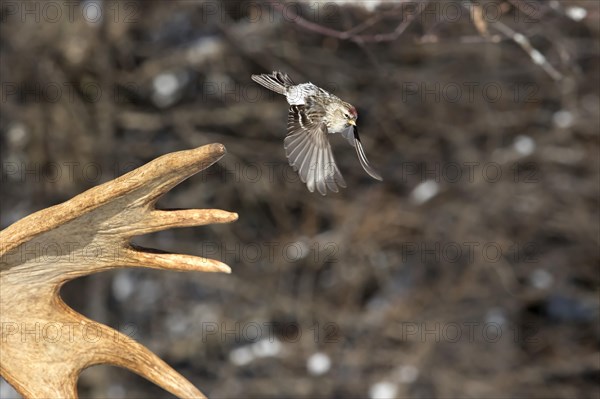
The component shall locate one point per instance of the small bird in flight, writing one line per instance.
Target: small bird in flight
(313, 114)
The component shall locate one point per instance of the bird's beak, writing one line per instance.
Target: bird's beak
(351, 122)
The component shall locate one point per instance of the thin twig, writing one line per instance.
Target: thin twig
(351, 33)
(536, 56)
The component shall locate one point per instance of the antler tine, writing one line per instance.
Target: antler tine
(88, 234)
(152, 180)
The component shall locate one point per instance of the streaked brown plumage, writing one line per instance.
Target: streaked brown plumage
(313, 114)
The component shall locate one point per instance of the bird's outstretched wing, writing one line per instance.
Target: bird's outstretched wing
(351, 134)
(308, 151)
(276, 81)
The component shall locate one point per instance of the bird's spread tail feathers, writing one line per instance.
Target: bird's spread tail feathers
(277, 81)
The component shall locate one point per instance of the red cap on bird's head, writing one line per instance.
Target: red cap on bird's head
(353, 112)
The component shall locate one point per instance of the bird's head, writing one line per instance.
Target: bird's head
(349, 114)
(340, 116)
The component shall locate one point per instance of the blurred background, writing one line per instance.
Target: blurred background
(470, 271)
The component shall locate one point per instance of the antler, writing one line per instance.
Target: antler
(46, 344)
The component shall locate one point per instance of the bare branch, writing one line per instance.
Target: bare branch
(351, 34)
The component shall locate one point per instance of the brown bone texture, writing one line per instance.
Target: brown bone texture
(45, 344)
